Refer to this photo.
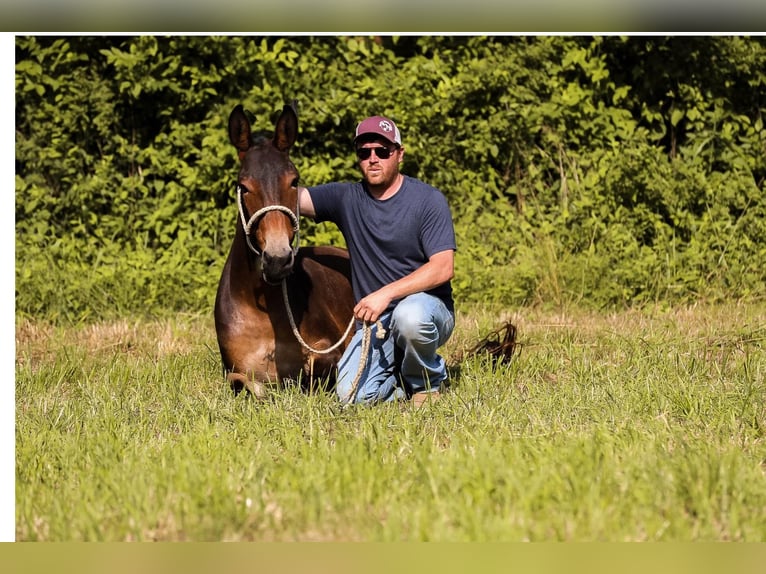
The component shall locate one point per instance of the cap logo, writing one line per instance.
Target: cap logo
(386, 126)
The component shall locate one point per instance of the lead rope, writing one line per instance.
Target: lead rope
(297, 333)
(366, 344)
(380, 333)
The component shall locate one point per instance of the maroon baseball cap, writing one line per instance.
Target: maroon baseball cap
(378, 125)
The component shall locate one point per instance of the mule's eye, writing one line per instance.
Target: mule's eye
(294, 183)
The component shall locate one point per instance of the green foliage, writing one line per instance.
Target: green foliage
(603, 170)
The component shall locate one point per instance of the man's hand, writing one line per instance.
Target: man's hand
(371, 307)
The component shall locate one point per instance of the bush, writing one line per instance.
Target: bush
(605, 171)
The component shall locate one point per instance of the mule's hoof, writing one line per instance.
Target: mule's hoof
(238, 382)
(258, 390)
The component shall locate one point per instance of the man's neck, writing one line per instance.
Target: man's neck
(381, 193)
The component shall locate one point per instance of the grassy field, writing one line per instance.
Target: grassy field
(643, 425)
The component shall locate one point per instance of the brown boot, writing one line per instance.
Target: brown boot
(420, 399)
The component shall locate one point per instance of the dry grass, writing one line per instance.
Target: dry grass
(37, 341)
(715, 328)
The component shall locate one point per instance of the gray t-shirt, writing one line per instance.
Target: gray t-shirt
(391, 238)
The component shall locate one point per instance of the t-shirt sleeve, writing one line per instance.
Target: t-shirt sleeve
(326, 199)
(438, 231)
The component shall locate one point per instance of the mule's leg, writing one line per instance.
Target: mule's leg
(238, 381)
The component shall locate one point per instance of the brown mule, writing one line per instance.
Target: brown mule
(255, 337)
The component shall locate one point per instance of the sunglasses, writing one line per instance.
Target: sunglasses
(381, 152)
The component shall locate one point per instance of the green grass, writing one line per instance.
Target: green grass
(644, 425)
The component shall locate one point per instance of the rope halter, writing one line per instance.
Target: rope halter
(255, 219)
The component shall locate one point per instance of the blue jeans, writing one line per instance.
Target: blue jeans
(405, 361)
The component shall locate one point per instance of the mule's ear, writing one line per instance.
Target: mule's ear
(239, 130)
(286, 130)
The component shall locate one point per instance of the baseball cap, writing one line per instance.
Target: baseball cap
(379, 125)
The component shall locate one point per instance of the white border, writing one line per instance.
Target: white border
(8, 297)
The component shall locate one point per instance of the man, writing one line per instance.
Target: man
(401, 243)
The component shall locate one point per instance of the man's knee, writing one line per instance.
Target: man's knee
(410, 320)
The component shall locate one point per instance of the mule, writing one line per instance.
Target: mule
(266, 270)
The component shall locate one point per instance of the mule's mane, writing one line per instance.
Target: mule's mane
(261, 138)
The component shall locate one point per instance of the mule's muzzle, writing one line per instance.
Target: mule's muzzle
(275, 266)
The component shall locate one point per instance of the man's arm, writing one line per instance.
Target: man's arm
(305, 203)
(438, 270)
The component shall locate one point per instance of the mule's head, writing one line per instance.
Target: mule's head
(268, 191)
